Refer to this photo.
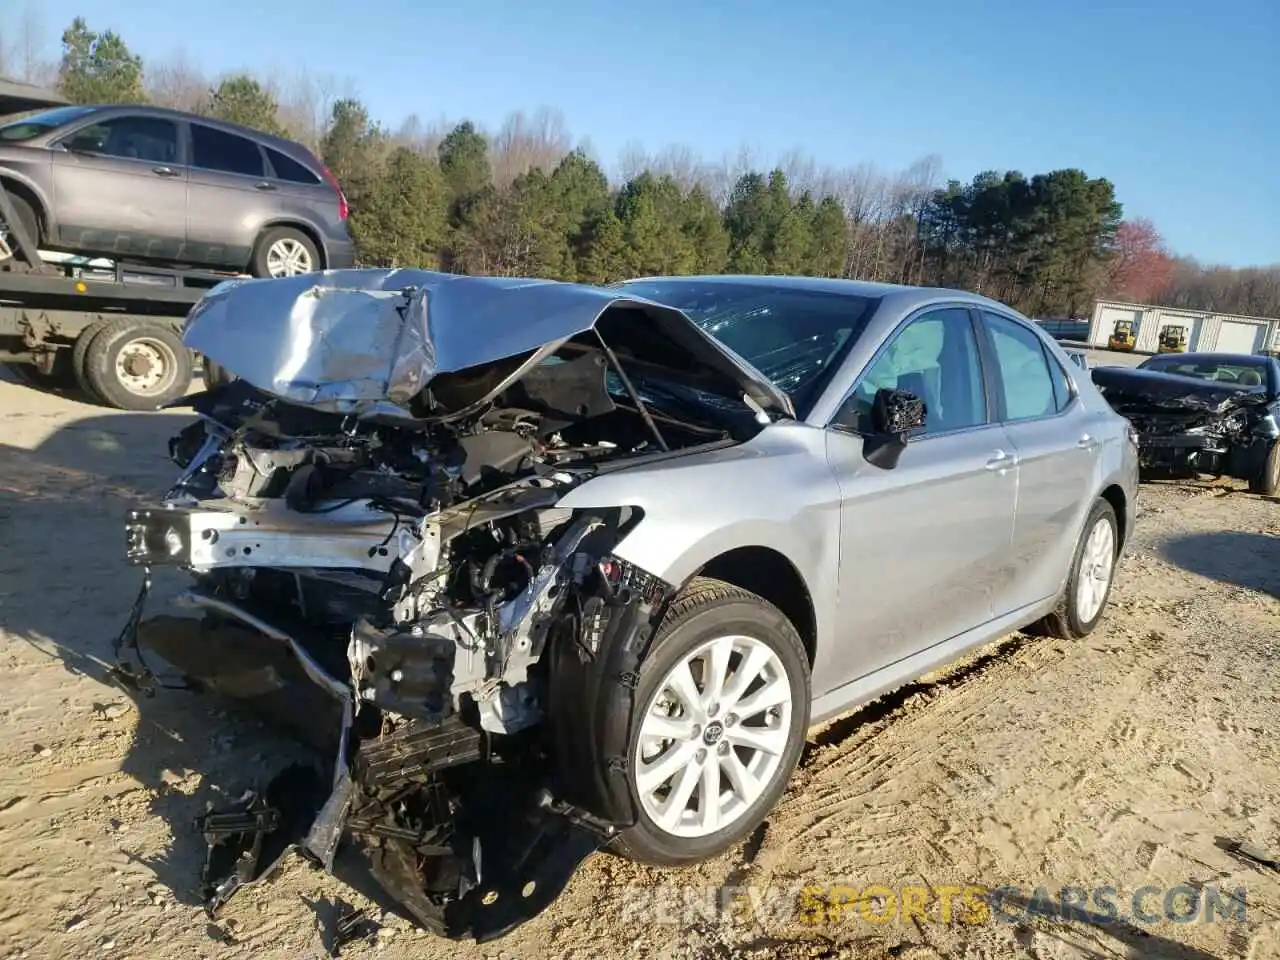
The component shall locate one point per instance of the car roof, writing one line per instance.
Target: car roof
(147, 110)
(1244, 359)
(905, 296)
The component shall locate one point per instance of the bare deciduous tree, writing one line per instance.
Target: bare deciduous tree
(525, 143)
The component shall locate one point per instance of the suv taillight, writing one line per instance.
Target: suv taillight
(343, 209)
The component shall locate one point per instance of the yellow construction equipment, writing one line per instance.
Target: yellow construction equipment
(1173, 339)
(1122, 337)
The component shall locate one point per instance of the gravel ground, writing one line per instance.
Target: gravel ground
(1127, 760)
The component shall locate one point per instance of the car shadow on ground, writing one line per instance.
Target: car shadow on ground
(66, 591)
(1249, 560)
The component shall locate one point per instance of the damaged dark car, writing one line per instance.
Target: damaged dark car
(543, 568)
(1195, 414)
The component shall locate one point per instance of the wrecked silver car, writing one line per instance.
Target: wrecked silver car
(1202, 413)
(542, 568)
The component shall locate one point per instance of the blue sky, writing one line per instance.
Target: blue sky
(1176, 101)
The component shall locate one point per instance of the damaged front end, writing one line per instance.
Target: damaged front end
(1187, 426)
(369, 517)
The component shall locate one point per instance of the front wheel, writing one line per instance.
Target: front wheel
(722, 706)
(1267, 481)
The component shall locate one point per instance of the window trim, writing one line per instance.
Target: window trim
(995, 387)
(983, 376)
(262, 155)
(100, 117)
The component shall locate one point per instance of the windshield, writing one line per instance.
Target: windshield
(28, 128)
(1236, 372)
(795, 337)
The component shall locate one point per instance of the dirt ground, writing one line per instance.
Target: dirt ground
(1128, 760)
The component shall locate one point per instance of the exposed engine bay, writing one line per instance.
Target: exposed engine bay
(394, 581)
(1188, 426)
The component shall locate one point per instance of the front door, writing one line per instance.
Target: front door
(923, 543)
(120, 188)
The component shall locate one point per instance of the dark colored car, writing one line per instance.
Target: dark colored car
(150, 184)
(1211, 413)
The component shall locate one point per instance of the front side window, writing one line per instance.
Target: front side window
(153, 139)
(935, 357)
(35, 125)
(1027, 383)
(794, 337)
(224, 152)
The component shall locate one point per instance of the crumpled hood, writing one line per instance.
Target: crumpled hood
(1171, 391)
(366, 341)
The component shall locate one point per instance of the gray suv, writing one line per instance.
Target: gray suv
(145, 183)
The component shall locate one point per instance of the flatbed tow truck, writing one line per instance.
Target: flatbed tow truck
(109, 327)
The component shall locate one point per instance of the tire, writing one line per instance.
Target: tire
(79, 354)
(711, 612)
(1073, 619)
(108, 352)
(283, 239)
(27, 217)
(1267, 481)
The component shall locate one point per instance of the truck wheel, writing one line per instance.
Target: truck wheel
(284, 252)
(79, 354)
(722, 705)
(29, 221)
(1267, 481)
(137, 365)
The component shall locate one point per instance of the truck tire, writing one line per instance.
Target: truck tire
(286, 251)
(1267, 481)
(79, 354)
(137, 364)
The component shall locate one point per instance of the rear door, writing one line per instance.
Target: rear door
(230, 196)
(924, 544)
(1048, 428)
(120, 187)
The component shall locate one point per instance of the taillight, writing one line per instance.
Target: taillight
(343, 209)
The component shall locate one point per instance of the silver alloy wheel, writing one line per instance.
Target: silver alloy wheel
(146, 366)
(287, 257)
(713, 735)
(1097, 562)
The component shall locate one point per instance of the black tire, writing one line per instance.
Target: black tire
(1066, 622)
(1267, 481)
(117, 336)
(79, 355)
(707, 609)
(259, 266)
(27, 218)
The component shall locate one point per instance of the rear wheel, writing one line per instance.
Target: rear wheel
(135, 365)
(1088, 587)
(1267, 481)
(79, 354)
(285, 252)
(722, 705)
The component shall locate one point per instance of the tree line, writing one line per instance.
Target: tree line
(526, 201)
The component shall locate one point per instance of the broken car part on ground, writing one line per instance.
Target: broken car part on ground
(1189, 426)
(371, 513)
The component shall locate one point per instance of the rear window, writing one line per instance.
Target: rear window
(286, 168)
(225, 152)
(28, 128)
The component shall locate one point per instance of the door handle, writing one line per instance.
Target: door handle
(1000, 461)
(264, 186)
(1087, 442)
(164, 171)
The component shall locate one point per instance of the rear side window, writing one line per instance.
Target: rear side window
(286, 168)
(1028, 384)
(225, 152)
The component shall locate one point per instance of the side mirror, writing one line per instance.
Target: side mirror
(894, 414)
